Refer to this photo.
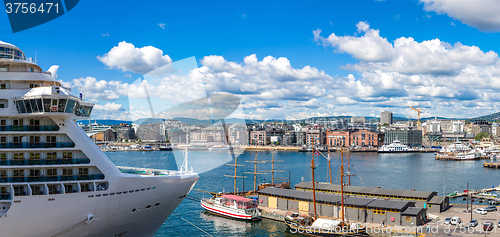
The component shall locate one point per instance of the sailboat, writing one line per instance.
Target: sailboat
(322, 226)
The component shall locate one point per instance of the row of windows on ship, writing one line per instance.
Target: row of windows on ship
(14, 125)
(17, 175)
(7, 192)
(36, 141)
(43, 158)
(52, 105)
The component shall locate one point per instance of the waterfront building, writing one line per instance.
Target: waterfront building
(408, 137)
(314, 137)
(301, 137)
(362, 137)
(337, 138)
(386, 118)
(125, 132)
(480, 126)
(365, 137)
(258, 137)
(150, 132)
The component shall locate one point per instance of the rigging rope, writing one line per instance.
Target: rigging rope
(193, 225)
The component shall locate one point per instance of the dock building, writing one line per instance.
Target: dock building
(360, 209)
(426, 199)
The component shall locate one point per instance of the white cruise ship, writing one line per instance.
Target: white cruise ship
(54, 181)
(396, 147)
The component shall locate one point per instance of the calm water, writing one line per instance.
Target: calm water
(399, 171)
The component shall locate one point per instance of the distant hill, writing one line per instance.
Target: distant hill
(491, 117)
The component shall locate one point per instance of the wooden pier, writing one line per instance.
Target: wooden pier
(495, 165)
(475, 193)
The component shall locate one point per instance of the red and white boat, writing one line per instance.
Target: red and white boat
(232, 206)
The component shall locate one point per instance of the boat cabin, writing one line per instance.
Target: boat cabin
(238, 202)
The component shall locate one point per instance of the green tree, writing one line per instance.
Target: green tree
(481, 135)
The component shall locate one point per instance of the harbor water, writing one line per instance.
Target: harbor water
(418, 171)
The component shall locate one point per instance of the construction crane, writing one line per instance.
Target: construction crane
(418, 117)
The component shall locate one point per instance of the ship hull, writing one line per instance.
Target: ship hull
(138, 213)
(227, 212)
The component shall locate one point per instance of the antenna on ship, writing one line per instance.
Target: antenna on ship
(184, 167)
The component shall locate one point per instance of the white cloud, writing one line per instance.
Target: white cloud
(434, 74)
(369, 47)
(91, 88)
(481, 14)
(127, 57)
(162, 25)
(109, 107)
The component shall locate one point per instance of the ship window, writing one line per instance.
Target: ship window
(34, 106)
(18, 156)
(52, 172)
(51, 155)
(20, 106)
(83, 170)
(3, 69)
(46, 105)
(28, 106)
(3, 156)
(62, 105)
(70, 107)
(68, 155)
(68, 171)
(18, 122)
(34, 85)
(39, 105)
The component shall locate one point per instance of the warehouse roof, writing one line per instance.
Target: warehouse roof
(334, 198)
(367, 190)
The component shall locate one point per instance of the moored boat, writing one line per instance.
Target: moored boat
(396, 147)
(233, 206)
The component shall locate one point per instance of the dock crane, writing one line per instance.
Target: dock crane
(418, 117)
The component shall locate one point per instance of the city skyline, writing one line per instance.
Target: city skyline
(284, 60)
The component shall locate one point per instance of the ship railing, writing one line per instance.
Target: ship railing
(146, 171)
(48, 161)
(49, 178)
(26, 128)
(37, 145)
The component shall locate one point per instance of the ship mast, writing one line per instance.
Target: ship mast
(272, 168)
(235, 176)
(349, 166)
(342, 183)
(329, 165)
(313, 182)
(255, 173)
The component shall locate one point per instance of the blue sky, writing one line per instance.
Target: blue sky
(370, 56)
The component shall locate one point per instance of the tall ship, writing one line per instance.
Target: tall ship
(54, 181)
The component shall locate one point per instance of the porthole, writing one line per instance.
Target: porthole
(133, 210)
(157, 204)
(148, 206)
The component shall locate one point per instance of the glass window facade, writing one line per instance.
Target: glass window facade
(10, 53)
(53, 106)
